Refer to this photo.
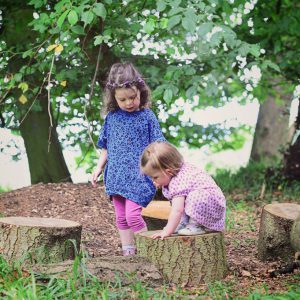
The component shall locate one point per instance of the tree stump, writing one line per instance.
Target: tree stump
(295, 235)
(274, 233)
(186, 260)
(156, 214)
(39, 240)
(126, 269)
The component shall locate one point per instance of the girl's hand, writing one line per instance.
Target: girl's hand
(161, 234)
(95, 176)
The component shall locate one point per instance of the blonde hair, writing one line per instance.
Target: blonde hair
(162, 156)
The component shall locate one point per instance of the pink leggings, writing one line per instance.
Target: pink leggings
(128, 214)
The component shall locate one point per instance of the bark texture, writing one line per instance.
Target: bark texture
(156, 214)
(39, 240)
(186, 260)
(111, 268)
(275, 228)
(271, 132)
(295, 234)
(45, 166)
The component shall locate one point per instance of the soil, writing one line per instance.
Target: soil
(92, 208)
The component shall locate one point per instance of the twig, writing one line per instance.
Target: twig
(90, 132)
(49, 102)
(29, 109)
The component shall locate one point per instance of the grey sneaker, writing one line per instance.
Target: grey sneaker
(180, 226)
(191, 229)
(129, 251)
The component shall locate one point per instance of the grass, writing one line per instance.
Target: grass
(243, 190)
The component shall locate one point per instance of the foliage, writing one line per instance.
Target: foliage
(187, 50)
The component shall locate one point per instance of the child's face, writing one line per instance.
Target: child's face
(159, 177)
(128, 99)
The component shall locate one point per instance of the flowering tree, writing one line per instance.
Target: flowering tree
(55, 56)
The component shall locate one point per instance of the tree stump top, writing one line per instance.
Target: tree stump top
(38, 222)
(284, 210)
(157, 209)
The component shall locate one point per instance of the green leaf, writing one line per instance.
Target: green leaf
(98, 40)
(72, 17)
(87, 17)
(62, 18)
(272, 65)
(204, 29)
(163, 23)
(99, 10)
(27, 53)
(188, 24)
(255, 50)
(168, 94)
(161, 5)
(149, 26)
(173, 21)
(78, 29)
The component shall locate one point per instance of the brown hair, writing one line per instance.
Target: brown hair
(124, 75)
(162, 156)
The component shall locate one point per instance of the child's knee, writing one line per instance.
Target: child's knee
(121, 222)
(136, 223)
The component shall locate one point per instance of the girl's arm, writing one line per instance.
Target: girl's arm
(174, 218)
(100, 165)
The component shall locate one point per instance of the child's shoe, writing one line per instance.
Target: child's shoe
(192, 229)
(129, 250)
(180, 226)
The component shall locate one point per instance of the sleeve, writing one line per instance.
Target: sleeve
(155, 132)
(102, 141)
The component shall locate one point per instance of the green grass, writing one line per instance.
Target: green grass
(4, 189)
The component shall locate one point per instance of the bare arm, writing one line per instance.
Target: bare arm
(100, 166)
(174, 218)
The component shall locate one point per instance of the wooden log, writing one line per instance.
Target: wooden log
(274, 233)
(156, 214)
(295, 235)
(186, 260)
(39, 240)
(125, 270)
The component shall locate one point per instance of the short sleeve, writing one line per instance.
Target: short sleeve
(155, 132)
(102, 141)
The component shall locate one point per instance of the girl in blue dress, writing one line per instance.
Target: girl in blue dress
(129, 127)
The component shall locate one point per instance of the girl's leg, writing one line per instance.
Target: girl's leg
(134, 217)
(126, 233)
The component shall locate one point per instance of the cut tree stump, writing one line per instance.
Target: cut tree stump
(186, 260)
(275, 229)
(156, 214)
(295, 235)
(126, 270)
(39, 240)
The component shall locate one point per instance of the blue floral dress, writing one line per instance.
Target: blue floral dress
(125, 135)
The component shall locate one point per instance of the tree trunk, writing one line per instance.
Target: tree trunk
(123, 269)
(292, 155)
(45, 166)
(275, 229)
(186, 260)
(39, 240)
(271, 132)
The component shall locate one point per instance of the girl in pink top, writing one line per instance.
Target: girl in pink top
(198, 204)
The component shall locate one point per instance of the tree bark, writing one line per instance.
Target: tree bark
(292, 155)
(45, 166)
(125, 270)
(274, 233)
(186, 260)
(295, 235)
(39, 240)
(271, 132)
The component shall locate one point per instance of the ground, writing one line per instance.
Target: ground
(93, 209)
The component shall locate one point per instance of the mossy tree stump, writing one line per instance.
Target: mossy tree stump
(39, 240)
(186, 260)
(275, 231)
(156, 214)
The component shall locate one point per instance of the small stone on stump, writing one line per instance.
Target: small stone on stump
(186, 260)
(275, 229)
(39, 240)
